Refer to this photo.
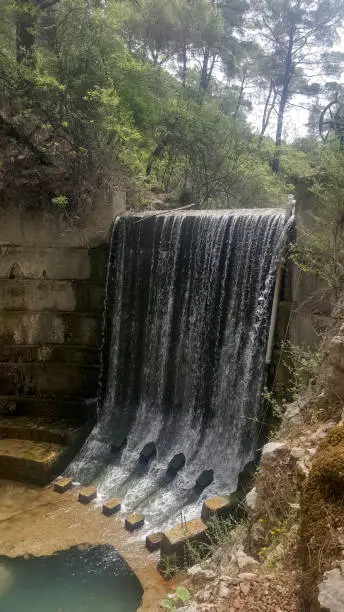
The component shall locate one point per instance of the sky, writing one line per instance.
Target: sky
(296, 118)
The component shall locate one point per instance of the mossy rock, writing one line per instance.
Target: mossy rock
(322, 513)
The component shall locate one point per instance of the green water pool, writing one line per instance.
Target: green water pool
(93, 579)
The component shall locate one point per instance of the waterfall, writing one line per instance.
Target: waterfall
(188, 304)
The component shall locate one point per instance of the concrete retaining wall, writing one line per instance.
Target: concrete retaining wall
(52, 286)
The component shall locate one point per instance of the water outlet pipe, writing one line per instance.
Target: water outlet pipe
(273, 319)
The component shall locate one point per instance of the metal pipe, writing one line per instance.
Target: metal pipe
(274, 310)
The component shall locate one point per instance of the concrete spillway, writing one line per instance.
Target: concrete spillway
(187, 315)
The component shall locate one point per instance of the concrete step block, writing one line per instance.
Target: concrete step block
(134, 521)
(87, 494)
(111, 506)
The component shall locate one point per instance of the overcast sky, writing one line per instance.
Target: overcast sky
(296, 118)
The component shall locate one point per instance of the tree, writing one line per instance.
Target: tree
(296, 33)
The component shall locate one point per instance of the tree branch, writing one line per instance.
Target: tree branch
(10, 130)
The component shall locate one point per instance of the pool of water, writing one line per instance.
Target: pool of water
(80, 579)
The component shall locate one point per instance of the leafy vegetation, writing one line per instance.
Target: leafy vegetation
(158, 96)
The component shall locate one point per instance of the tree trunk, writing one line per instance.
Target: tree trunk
(241, 93)
(203, 85)
(159, 149)
(184, 69)
(269, 105)
(25, 31)
(288, 71)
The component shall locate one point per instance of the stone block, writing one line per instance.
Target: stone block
(174, 542)
(42, 328)
(47, 295)
(50, 263)
(223, 507)
(87, 494)
(30, 461)
(111, 506)
(177, 463)
(148, 452)
(22, 225)
(63, 484)
(48, 379)
(204, 480)
(134, 521)
(32, 406)
(153, 541)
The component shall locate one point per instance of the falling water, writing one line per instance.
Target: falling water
(188, 306)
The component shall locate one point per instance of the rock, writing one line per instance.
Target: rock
(176, 464)
(273, 448)
(204, 480)
(246, 478)
(6, 580)
(206, 595)
(237, 604)
(302, 470)
(246, 576)
(224, 591)
(198, 572)
(220, 506)
(257, 537)
(87, 494)
(243, 560)
(297, 452)
(153, 541)
(111, 506)
(190, 608)
(331, 591)
(63, 484)
(292, 413)
(251, 499)
(134, 521)
(148, 452)
(244, 588)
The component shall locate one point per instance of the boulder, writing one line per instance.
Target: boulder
(148, 452)
(251, 499)
(87, 494)
(331, 591)
(273, 448)
(176, 464)
(204, 480)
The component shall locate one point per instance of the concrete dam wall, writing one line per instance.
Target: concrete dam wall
(52, 282)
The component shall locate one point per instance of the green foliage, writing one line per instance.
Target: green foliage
(181, 597)
(134, 93)
(304, 363)
(60, 201)
(319, 249)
